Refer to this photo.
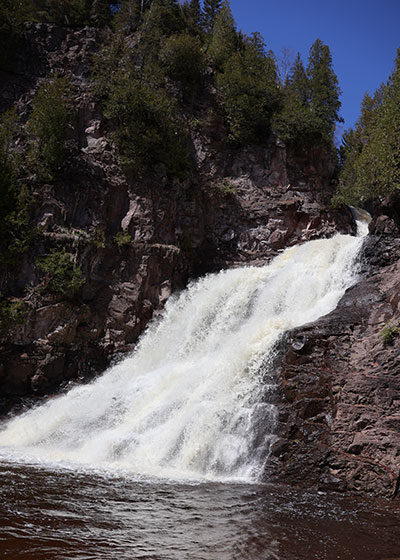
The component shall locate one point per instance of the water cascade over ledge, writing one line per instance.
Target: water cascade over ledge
(194, 401)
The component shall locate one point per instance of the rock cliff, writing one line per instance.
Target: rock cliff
(237, 206)
(340, 382)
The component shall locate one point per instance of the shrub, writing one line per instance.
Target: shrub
(388, 334)
(15, 233)
(47, 127)
(8, 127)
(12, 312)
(183, 61)
(148, 128)
(63, 276)
(122, 238)
(224, 186)
(99, 240)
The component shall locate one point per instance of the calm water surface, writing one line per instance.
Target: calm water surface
(57, 513)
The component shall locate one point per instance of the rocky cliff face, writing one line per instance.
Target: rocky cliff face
(235, 207)
(339, 384)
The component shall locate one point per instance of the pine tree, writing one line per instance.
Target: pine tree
(129, 15)
(297, 82)
(248, 91)
(47, 127)
(210, 10)
(100, 13)
(183, 60)
(293, 122)
(324, 90)
(193, 15)
(223, 38)
(371, 152)
(8, 125)
(379, 163)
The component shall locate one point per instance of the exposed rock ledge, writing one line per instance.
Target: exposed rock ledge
(339, 404)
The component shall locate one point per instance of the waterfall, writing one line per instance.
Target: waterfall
(194, 399)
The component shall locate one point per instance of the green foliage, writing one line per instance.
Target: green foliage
(130, 15)
(133, 77)
(210, 11)
(100, 13)
(388, 334)
(294, 121)
(74, 13)
(224, 186)
(310, 108)
(63, 12)
(324, 90)
(8, 127)
(163, 19)
(122, 238)
(148, 130)
(223, 38)
(248, 91)
(62, 276)
(47, 127)
(15, 233)
(371, 152)
(12, 313)
(193, 16)
(99, 240)
(183, 61)
(10, 32)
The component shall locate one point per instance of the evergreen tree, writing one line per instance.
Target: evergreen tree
(47, 127)
(324, 90)
(193, 15)
(8, 125)
(183, 60)
(130, 14)
(293, 122)
(248, 91)
(223, 38)
(100, 13)
(210, 10)
(165, 18)
(12, 16)
(297, 82)
(371, 153)
(378, 167)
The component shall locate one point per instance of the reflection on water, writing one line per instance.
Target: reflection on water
(60, 514)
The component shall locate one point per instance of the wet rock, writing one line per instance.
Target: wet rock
(355, 389)
(39, 383)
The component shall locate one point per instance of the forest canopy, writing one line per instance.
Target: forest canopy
(370, 152)
(181, 45)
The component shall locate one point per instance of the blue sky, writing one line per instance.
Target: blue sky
(363, 37)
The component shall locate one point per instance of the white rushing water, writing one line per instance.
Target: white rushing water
(192, 402)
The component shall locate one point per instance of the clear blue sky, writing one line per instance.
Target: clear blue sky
(363, 36)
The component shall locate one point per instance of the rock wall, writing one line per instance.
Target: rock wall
(340, 383)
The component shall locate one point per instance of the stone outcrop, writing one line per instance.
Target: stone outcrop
(340, 383)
